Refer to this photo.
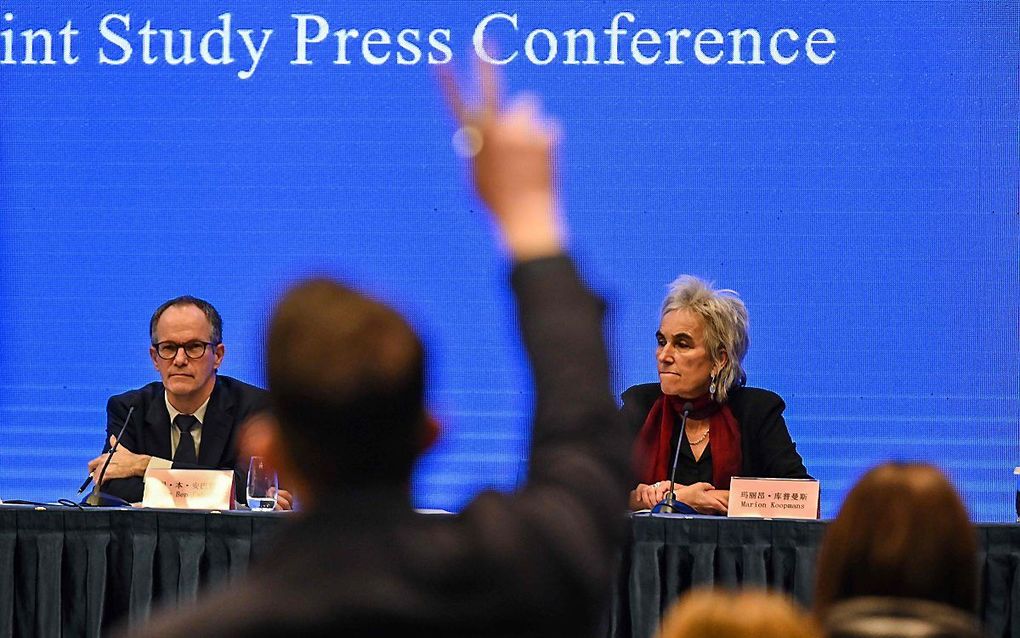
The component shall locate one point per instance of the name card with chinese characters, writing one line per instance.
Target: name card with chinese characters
(189, 489)
(773, 498)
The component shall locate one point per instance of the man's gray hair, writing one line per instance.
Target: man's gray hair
(725, 319)
(215, 321)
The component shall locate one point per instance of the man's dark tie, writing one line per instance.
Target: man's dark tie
(186, 446)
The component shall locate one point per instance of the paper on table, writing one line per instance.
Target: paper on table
(189, 489)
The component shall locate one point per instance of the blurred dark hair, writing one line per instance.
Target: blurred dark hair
(187, 300)
(904, 533)
(347, 381)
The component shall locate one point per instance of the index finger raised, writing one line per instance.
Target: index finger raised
(453, 95)
(489, 84)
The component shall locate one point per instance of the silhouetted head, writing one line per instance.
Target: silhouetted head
(902, 532)
(347, 380)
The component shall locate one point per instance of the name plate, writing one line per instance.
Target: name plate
(189, 489)
(773, 498)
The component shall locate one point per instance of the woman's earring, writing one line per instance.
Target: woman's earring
(711, 386)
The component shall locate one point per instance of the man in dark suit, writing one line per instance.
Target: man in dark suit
(346, 378)
(190, 419)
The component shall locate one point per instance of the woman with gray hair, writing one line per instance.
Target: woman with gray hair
(731, 430)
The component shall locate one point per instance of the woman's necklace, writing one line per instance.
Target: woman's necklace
(700, 440)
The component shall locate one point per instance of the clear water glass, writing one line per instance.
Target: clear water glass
(262, 486)
(1016, 474)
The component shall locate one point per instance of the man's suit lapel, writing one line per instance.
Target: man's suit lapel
(216, 427)
(157, 427)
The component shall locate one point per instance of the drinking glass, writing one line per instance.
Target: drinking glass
(262, 486)
(1016, 473)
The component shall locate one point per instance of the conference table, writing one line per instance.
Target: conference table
(71, 572)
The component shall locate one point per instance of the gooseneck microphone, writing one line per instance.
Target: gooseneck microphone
(668, 505)
(94, 497)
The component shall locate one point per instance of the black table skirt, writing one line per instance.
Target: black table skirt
(65, 572)
(667, 555)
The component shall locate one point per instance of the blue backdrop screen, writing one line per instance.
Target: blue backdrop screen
(851, 168)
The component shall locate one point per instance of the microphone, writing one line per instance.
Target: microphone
(94, 497)
(669, 504)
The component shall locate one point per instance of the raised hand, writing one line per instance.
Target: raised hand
(511, 151)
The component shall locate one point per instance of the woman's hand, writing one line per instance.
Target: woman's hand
(703, 497)
(645, 497)
(723, 496)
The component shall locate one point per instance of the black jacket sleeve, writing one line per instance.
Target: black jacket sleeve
(551, 545)
(128, 489)
(771, 449)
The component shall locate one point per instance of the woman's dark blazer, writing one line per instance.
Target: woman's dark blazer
(768, 451)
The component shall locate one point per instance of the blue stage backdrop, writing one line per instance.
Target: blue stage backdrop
(849, 167)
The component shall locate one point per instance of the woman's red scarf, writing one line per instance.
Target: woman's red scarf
(652, 456)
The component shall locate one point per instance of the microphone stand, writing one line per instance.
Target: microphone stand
(95, 498)
(668, 505)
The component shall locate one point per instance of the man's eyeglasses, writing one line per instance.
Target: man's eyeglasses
(192, 349)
